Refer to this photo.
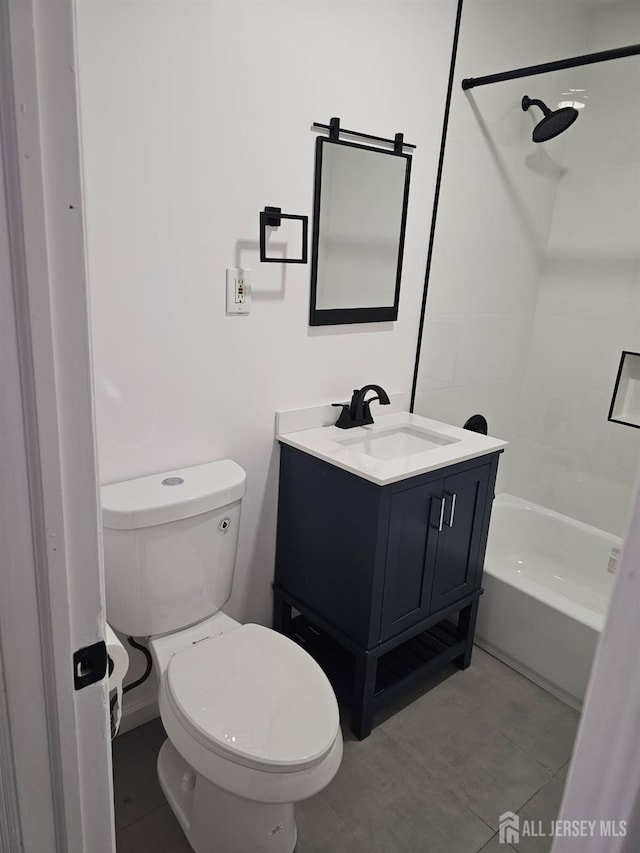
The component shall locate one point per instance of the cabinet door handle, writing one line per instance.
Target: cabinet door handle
(441, 522)
(453, 508)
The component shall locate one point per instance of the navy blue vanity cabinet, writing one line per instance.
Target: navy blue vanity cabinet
(384, 580)
(460, 557)
(410, 565)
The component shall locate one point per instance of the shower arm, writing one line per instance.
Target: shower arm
(535, 102)
(558, 65)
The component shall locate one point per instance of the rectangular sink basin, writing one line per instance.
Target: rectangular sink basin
(397, 443)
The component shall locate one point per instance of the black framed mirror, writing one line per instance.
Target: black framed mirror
(361, 195)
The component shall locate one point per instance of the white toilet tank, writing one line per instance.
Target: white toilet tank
(170, 545)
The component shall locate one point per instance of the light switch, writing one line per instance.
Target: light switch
(238, 291)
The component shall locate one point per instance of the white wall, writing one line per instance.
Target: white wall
(194, 116)
(567, 455)
(496, 206)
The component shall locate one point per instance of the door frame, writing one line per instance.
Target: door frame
(56, 781)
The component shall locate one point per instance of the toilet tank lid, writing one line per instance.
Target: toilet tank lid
(172, 495)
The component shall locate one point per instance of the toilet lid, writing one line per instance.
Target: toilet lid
(255, 696)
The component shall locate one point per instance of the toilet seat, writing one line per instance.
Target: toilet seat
(254, 698)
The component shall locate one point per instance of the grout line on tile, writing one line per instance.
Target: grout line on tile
(138, 819)
(526, 678)
(425, 769)
(546, 692)
(535, 794)
(506, 847)
(454, 794)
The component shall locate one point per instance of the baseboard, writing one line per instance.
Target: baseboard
(137, 714)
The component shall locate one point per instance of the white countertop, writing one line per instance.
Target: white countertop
(323, 442)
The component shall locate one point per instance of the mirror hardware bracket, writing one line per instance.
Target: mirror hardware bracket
(335, 130)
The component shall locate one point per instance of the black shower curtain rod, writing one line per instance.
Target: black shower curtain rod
(573, 62)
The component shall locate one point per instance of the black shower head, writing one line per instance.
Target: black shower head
(554, 121)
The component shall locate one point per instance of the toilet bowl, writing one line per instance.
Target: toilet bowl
(252, 726)
(252, 721)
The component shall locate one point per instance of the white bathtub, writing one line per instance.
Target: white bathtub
(546, 593)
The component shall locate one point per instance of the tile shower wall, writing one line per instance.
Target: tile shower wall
(567, 456)
(535, 286)
(194, 116)
(496, 206)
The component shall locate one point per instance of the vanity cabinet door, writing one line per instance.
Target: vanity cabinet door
(457, 569)
(411, 553)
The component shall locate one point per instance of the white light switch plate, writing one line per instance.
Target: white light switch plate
(238, 291)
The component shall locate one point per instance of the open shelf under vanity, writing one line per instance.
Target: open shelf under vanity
(393, 668)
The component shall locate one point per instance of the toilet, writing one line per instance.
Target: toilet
(252, 721)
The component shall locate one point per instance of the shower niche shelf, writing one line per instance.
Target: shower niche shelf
(625, 403)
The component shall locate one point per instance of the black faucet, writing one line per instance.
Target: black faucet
(357, 412)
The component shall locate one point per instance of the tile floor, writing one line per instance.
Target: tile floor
(432, 778)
